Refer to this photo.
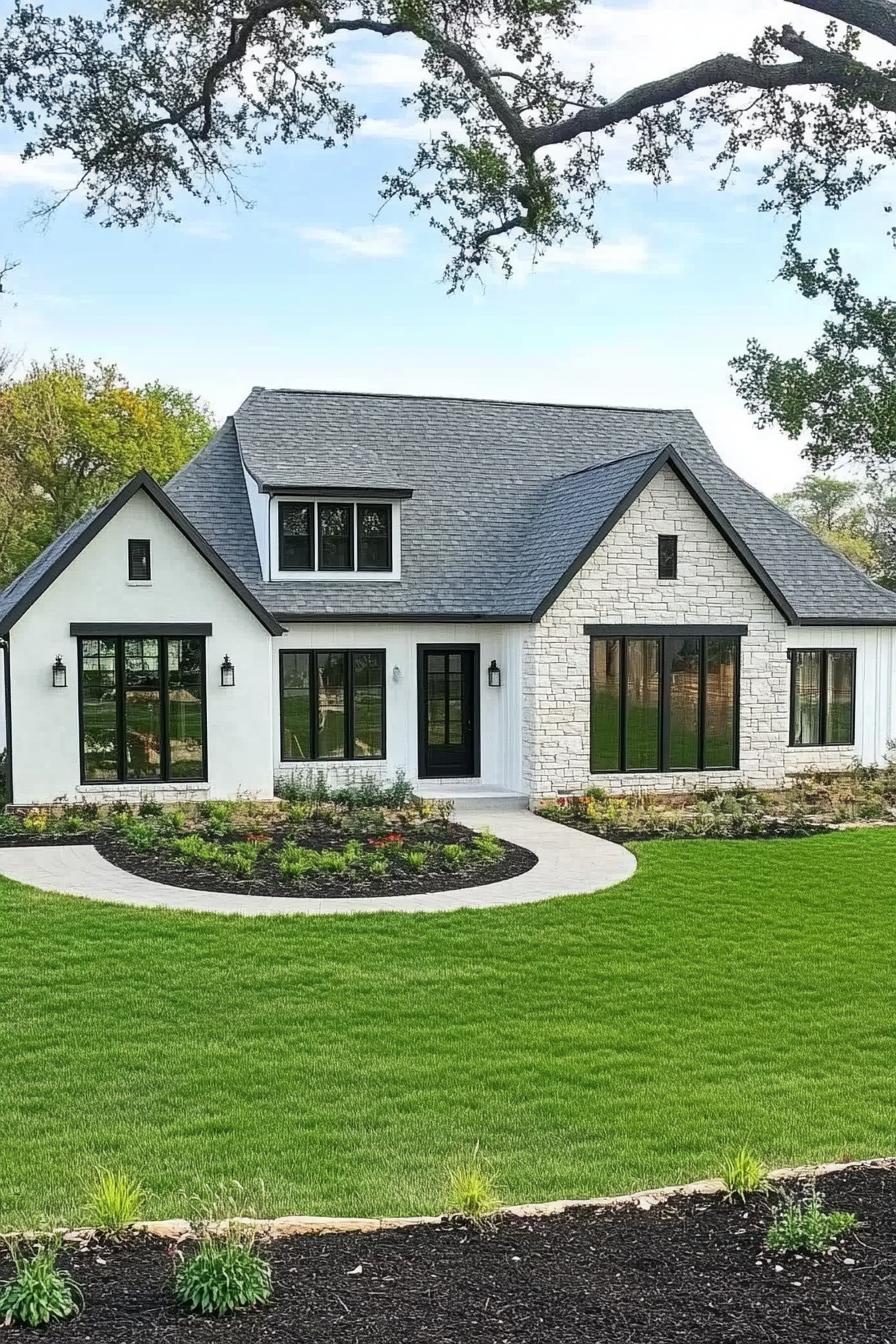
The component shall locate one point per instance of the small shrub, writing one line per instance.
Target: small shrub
(40, 1292)
(242, 856)
(36, 823)
(416, 859)
(114, 1200)
(296, 861)
(743, 1173)
(332, 861)
(150, 807)
(9, 824)
(140, 832)
(378, 866)
(217, 818)
(804, 1226)
(194, 849)
(488, 847)
(455, 856)
(471, 1188)
(223, 1275)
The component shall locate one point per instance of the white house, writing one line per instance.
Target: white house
(536, 598)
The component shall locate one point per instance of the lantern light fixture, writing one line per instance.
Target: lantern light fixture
(494, 674)
(59, 673)
(228, 674)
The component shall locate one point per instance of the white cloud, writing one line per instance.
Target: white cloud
(381, 69)
(370, 240)
(57, 171)
(627, 256)
(404, 128)
(201, 229)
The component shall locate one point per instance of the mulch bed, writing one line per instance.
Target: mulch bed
(160, 867)
(773, 831)
(694, 1269)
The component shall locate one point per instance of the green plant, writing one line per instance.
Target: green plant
(150, 807)
(456, 856)
(39, 1292)
(743, 1173)
(378, 866)
(114, 1200)
(333, 861)
(242, 856)
(142, 833)
(296, 861)
(36, 823)
(10, 824)
(487, 846)
(803, 1225)
(217, 817)
(194, 849)
(415, 858)
(224, 1274)
(471, 1188)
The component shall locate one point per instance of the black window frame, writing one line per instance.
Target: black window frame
(380, 507)
(665, 636)
(145, 548)
(348, 656)
(664, 569)
(824, 707)
(308, 506)
(352, 541)
(121, 776)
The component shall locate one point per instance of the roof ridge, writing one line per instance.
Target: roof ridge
(475, 401)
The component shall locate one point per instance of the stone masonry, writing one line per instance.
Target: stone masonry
(619, 585)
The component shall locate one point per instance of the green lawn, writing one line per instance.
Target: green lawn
(731, 992)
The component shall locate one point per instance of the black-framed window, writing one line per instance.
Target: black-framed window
(296, 542)
(142, 708)
(139, 566)
(667, 556)
(822, 697)
(665, 702)
(332, 704)
(374, 536)
(334, 536)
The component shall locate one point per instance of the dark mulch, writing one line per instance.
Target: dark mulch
(773, 831)
(160, 867)
(691, 1270)
(39, 838)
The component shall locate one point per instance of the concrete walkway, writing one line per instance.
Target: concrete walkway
(568, 862)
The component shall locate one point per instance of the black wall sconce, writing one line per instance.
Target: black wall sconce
(227, 671)
(60, 677)
(494, 674)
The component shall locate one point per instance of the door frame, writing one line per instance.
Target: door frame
(422, 650)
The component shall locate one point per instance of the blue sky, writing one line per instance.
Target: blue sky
(308, 289)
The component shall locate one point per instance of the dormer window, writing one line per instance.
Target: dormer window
(335, 537)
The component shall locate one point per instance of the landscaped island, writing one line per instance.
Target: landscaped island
(369, 840)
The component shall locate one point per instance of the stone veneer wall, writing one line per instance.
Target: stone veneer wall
(619, 585)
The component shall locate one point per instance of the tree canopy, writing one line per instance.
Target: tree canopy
(155, 99)
(70, 435)
(856, 518)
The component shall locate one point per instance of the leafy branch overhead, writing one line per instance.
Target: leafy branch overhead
(155, 98)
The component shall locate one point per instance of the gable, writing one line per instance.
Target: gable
(139, 504)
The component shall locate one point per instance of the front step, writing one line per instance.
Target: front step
(472, 796)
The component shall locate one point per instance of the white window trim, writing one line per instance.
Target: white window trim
(315, 575)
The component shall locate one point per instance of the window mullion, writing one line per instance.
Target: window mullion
(119, 707)
(165, 744)
(701, 705)
(664, 707)
(823, 699)
(623, 703)
(348, 677)
(312, 701)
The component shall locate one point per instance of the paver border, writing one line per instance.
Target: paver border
(569, 862)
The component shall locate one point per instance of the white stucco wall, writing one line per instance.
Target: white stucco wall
(499, 708)
(184, 589)
(619, 585)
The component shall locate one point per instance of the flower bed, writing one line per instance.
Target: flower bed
(311, 845)
(698, 1267)
(815, 802)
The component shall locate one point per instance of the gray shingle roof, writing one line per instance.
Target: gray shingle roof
(496, 512)
(505, 496)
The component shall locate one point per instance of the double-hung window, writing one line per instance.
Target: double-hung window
(664, 701)
(334, 536)
(142, 706)
(332, 704)
(822, 697)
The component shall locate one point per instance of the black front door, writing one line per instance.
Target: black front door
(448, 687)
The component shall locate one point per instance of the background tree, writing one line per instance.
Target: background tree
(70, 435)
(159, 98)
(858, 519)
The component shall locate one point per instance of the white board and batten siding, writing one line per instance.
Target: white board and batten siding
(875, 647)
(500, 707)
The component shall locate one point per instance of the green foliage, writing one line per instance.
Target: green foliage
(416, 858)
(40, 1292)
(487, 846)
(743, 1173)
(297, 861)
(472, 1190)
(455, 855)
(195, 849)
(114, 1200)
(70, 435)
(803, 1225)
(368, 792)
(222, 1276)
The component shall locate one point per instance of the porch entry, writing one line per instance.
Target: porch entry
(448, 702)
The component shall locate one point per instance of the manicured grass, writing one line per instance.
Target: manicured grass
(732, 992)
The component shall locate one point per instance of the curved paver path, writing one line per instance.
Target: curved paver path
(568, 862)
